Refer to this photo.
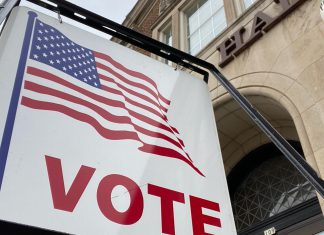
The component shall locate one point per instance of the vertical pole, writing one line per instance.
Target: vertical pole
(6, 138)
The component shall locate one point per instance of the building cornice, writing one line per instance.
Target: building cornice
(165, 13)
(138, 13)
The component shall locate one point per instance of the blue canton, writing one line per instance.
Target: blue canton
(52, 48)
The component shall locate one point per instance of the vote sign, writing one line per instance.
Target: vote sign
(97, 138)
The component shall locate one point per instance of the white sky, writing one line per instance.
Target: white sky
(115, 10)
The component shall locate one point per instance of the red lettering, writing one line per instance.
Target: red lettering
(199, 219)
(135, 210)
(167, 198)
(61, 200)
(68, 201)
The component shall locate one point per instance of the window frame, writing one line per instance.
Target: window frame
(240, 6)
(162, 37)
(184, 25)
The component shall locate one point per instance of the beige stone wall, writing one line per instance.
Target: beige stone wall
(282, 74)
(285, 65)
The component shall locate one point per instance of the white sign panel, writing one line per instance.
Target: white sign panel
(99, 139)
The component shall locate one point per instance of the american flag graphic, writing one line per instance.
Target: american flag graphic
(93, 88)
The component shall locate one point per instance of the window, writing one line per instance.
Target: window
(271, 188)
(242, 5)
(166, 37)
(247, 3)
(267, 190)
(206, 19)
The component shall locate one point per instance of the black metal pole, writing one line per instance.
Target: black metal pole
(191, 62)
(6, 7)
(288, 151)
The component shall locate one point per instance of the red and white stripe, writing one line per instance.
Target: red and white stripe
(128, 106)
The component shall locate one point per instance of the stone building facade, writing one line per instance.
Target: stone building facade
(272, 51)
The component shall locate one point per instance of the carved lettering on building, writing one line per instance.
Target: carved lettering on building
(262, 23)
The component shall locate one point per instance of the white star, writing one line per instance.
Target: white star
(58, 45)
(80, 64)
(74, 58)
(52, 37)
(35, 56)
(75, 74)
(38, 47)
(79, 57)
(58, 61)
(72, 44)
(51, 62)
(68, 44)
(57, 37)
(52, 30)
(70, 67)
(73, 50)
(78, 50)
(45, 55)
(93, 67)
(95, 84)
(62, 36)
(45, 46)
(83, 56)
(46, 31)
(52, 45)
(88, 62)
(46, 38)
(51, 52)
(69, 58)
(64, 68)
(69, 50)
(89, 69)
(87, 54)
(62, 44)
(64, 59)
(63, 51)
(39, 39)
(75, 66)
(41, 24)
(58, 53)
(80, 72)
(82, 48)
(89, 77)
(84, 63)
(40, 31)
(90, 52)
(85, 71)
(84, 79)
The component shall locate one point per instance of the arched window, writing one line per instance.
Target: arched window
(266, 187)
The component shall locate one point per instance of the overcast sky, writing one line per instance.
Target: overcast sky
(115, 10)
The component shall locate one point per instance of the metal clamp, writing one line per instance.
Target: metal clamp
(59, 17)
